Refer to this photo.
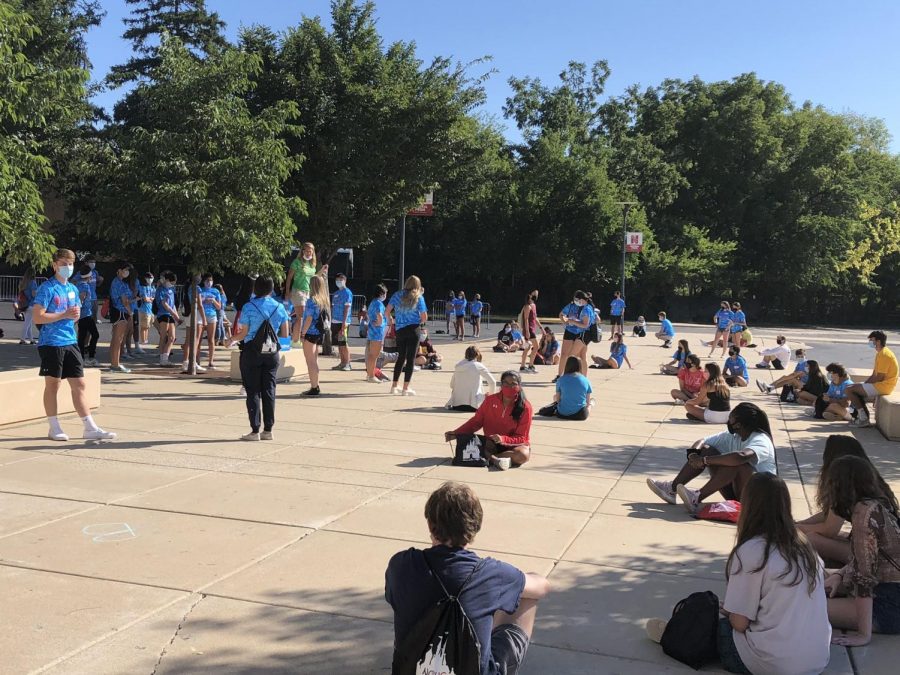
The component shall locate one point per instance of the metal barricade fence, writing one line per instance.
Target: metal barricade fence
(486, 315)
(359, 301)
(9, 286)
(438, 313)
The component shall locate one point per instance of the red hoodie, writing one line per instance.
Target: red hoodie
(491, 417)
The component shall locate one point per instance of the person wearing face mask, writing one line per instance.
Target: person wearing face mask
(426, 356)
(88, 335)
(146, 293)
(459, 314)
(167, 317)
(296, 286)
(211, 301)
(95, 282)
(576, 317)
(120, 309)
(777, 357)
(57, 307)
(722, 319)
(732, 457)
(796, 379)
(475, 309)
(223, 328)
(505, 342)
(735, 370)
(666, 331)
(341, 306)
(505, 418)
(880, 383)
(375, 334)
(407, 310)
(690, 379)
(532, 330)
(834, 404)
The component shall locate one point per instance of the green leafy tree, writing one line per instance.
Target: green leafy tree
(199, 30)
(203, 179)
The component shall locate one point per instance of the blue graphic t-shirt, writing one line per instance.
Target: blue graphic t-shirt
(117, 289)
(167, 296)
(312, 311)
(341, 297)
(207, 295)
(87, 307)
(836, 391)
(145, 306)
(617, 352)
(30, 292)
(736, 366)
(799, 368)
(406, 316)
(573, 390)
(576, 313)
(616, 307)
(723, 318)
(255, 312)
(376, 333)
(55, 297)
(459, 306)
(476, 307)
(740, 319)
(666, 327)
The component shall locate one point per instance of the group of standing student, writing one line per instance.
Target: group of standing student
(731, 323)
(455, 310)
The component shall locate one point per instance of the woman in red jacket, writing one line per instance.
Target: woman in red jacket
(506, 420)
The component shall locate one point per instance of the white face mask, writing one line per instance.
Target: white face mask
(148, 281)
(340, 283)
(422, 338)
(307, 257)
(92, 265)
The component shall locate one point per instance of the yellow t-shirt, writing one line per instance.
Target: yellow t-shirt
(886, 364)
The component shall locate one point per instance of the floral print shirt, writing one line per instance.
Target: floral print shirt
(875, 541)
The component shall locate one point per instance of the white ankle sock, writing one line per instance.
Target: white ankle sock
(89, 423)
(54, 425)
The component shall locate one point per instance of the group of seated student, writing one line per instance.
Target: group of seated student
(834, 404)
(548, 349)
(505, 420)
(666, 331)
(777, 357)
(712, 404)
(796, 379)
(678, 359)
(468, 380)
(735, 368)
(731, 457)
(426, 356)
(509, 339)
(618, 354)
(572, 400)
(690, 379)
(806, 384)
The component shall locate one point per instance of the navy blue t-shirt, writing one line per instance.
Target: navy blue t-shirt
(410, 589)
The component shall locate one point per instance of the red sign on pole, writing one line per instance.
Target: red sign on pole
(425, 209)
(634, 242)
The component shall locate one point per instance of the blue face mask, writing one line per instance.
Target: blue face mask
(871, 345)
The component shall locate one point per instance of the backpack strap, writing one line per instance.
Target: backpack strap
(450, 596)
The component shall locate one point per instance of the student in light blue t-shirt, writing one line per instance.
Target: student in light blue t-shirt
(407, 310)
(475, 309)
(834, 404)
(722, 319)
(738, 323)
(666, 331)
(341, 308)
(167, 317)
(88, 335)
(618, 353)
(315, 323)
(616, 315)
(211, 300)
(145, 295)
(732, 457)
(572, 400)
(735, 371)
(375, 337)
(577, 318)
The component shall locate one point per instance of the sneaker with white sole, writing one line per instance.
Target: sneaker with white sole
(862, 421)
(345, 367)
(119, 369)
(252, 436)
(655, 629)
(503, 463)
(689, 498)
(763, 389)
(373, 379)
(809, 412)
(243, 391)
(57, 436)
(266, 436)
(396, 391)
(409, 392)
(99, 435)
(663, 489)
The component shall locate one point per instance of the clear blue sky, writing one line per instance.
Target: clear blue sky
(843, 55)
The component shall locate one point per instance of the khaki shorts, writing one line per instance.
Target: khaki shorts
(146, 320)
(299, 298)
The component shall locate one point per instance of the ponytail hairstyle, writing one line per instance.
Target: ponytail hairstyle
(519, 406)
(752, 417)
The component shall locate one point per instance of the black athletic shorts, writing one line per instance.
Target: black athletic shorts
(165, 319)
(115, 315)
(583, 337)
(61, 362)
(338, 338)
(615, 320)
(314, 339)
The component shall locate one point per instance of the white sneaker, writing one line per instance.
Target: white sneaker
(663, 490)
(810, 412)
(250, 437)
(409, 392)
(266, 436)
(396, 390)
(689, 498)
(119, 369)
(503, 463)
(243, 391)
(373, 379)
(57, 436)
(862, 421)
(99, 435)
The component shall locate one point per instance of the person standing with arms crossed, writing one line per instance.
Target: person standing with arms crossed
(341, 308)
(616, 315)
(57, 308)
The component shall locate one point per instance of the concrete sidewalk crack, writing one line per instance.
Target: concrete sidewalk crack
(165, 649)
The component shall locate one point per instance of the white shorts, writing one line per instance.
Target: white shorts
(871, 391)
(299, 298)
(716, 416)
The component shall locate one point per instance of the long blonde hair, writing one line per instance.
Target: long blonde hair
(314, 262)
(318, 293)
(412, 291)
(715, 382)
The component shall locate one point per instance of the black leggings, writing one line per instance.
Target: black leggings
(407, 344)
(88, 336)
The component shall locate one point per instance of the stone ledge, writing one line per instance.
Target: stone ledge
(23, 398)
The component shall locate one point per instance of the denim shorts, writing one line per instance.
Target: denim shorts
(886, 609)
(728, 653)
(508, 646)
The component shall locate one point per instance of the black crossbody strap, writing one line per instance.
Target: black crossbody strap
(465, 583)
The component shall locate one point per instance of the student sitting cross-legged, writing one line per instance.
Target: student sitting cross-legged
(572, 400)
(499, 600)
(732, 457)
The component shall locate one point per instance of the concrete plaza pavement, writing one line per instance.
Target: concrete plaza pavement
(180, 549)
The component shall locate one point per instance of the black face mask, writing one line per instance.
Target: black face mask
(730, 427)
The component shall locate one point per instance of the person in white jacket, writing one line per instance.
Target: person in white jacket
(777, 357)
(466, 385)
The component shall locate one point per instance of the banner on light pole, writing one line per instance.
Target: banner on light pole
(634, 242)
(425, 209)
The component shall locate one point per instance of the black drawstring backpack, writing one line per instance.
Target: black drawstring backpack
(691, 634)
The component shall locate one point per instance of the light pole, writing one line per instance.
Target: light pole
(625, 207)
(402, 251)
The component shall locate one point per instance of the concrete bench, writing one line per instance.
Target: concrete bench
(887, 416)
(291, 363)
(23, 395)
